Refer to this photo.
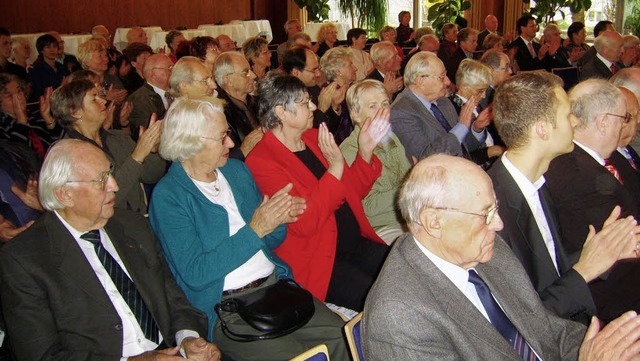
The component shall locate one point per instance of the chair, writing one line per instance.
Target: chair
(352, 329)
(569, 75)
(317, 353)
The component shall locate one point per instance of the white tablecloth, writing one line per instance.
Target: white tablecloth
(313, 28)
(120, 37)
(71, 42)
(254, 27)
(158, 40)
(237, 32)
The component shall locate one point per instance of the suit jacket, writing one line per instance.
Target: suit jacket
(481, 36)
(584, 193)
(453, 62)
(375, 75)
(238, 121)
(145, 101)
(595, 68)
(630, 177)
(419, 131)
(310, 245)
(567, 294)
(414, 312)
(56, 308)
(525, 61)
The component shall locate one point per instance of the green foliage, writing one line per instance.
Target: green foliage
(370, 14)
(545, 10)
(317, 10)
(446, 11)
(633, 20)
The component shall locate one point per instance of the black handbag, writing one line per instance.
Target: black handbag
(274, 311)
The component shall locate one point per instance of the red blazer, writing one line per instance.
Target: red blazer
(310, 245)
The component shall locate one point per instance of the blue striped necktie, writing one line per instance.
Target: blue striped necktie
(125, 286)
(499, 320)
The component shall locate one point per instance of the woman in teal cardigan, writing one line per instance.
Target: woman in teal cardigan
(217, 232)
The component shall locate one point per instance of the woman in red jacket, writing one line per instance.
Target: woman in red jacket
(332, 248)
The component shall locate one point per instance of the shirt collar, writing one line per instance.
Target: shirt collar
(525, 185)
(605, 61)
(456, 274)
(591, 152)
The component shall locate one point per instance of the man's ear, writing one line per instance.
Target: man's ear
(64, 196)
(601, 123)
(431, 222)
(541, 128)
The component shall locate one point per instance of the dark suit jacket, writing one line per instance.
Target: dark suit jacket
(375, 75)
(481, 36)
(567, 295)
(238, 121)
(54, 305)
(630, 177)
(145, 101)
(414, 312)
(595, 68)
(525, 61)
(584, 193)
(419, 131)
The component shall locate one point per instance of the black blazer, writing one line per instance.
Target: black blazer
(567, 294)
(595, 68)
(525, 61)
(145, 101)
(238, 121)
(584, 193)
(54, 305)
(375, 75)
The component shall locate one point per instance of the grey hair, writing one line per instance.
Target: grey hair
(593, 97)
(87, 49)
(278, 89)
(382, 50)
(182, 72)
(333, 60)
(356, 91)
(550, 27)
(472, 73)
(492, 58)
(424, 187)
(56, 171)
(418, 65)
(184, 124)
(224, 66)
(627, 78)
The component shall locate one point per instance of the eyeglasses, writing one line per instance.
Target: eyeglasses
(625, 118)
(306, 102)
(214, 49)
(488, 216)
(314, 70)
(164, 67)
(104, 177)
(441, 77)
(219, 139)
(207, 80)
(506, 68)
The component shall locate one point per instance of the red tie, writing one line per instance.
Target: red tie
(36, 143)
(613, 170)
(614, 68)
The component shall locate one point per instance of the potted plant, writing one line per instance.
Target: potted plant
(446, 11)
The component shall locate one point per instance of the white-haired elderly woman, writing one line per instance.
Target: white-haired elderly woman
(219, 233)
(368, 100)
(327, 38)
(557, 55)
(337, 66)
(92, 55)
(80, 109)
(473, 79)
(332, 248)
(21, 52)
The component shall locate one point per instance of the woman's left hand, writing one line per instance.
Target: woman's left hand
(125, 111)
(372, 132)
(45, 108)
(484, 118)
(149, 140)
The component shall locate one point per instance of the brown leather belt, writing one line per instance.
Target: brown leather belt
(253, 284)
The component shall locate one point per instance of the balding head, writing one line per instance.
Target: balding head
(190, 76)
(137, 35)
(429, 43)
(157, 70)
(629, 130)
(609, 45)
(628, 78)
(600, 109)
(491, 23)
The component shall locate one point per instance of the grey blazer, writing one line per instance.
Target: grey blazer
(419, 131)
(414, 312)
(145, 101)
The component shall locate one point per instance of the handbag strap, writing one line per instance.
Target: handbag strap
(241, 337)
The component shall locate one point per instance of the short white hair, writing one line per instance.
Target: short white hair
(56, 171)
(418, 65)
(333, 60)
(184, 124)
(382, 50)
(472, 73)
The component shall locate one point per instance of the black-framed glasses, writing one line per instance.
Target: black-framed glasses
(488, 216)
(104, 177)
(219, 139)
(625, 118)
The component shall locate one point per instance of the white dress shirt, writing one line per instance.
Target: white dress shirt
(530, 192)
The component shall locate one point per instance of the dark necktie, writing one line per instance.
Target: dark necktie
(440, 117)
(125, 286)
(169, 98)
(499, 320)
(614, 68)
(613, 170)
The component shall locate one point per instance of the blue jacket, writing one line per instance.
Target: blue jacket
(194, 233)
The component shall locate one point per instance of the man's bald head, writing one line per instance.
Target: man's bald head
(629, 130)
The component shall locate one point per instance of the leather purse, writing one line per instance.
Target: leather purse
(273, 311)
